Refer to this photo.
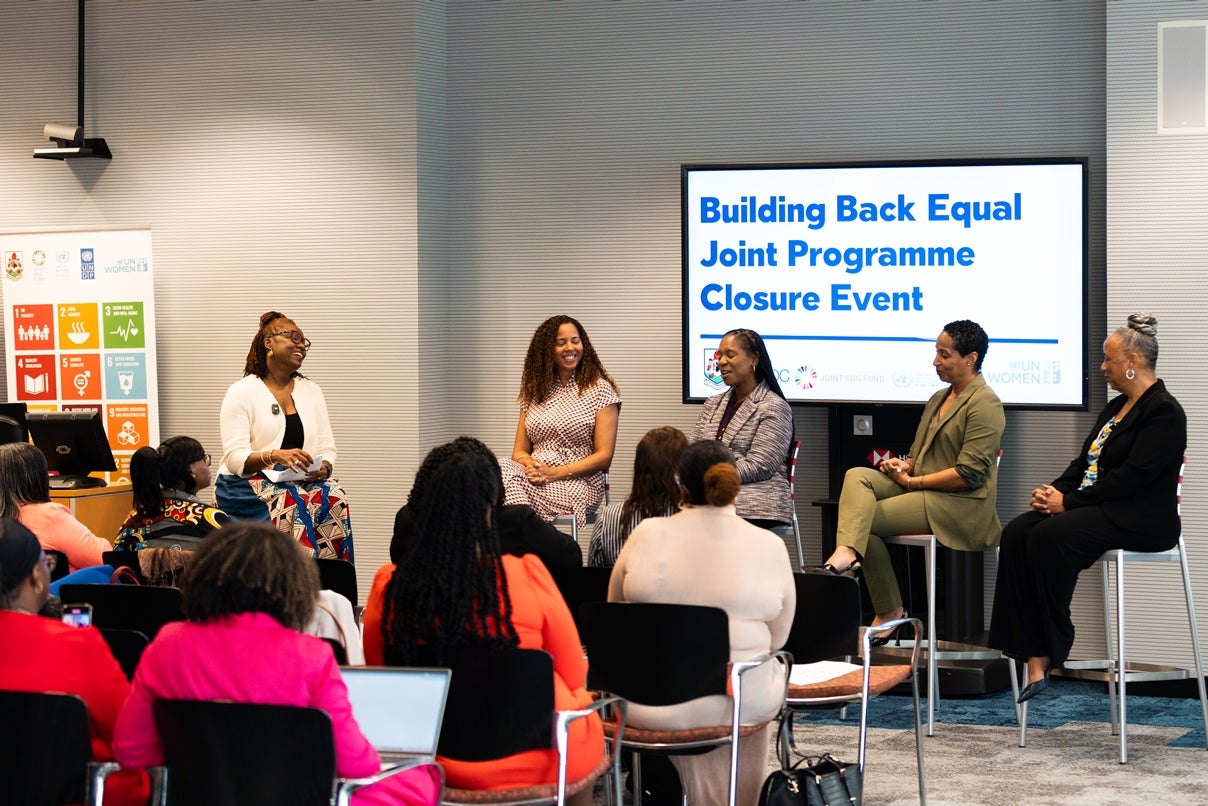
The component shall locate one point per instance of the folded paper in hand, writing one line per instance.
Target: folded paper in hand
(289, 474)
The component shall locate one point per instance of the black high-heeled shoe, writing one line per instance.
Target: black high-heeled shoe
(1035, 687)
(882, 640)
(850, 571)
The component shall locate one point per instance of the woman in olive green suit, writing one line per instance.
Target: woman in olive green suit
(947, 486)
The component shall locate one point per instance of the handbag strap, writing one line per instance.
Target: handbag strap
(123, 575)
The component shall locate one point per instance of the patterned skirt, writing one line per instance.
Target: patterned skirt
(314, 513)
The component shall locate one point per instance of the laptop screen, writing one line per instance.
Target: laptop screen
(399, 710)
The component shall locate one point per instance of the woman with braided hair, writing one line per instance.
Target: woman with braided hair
(275, 421)
(458, 590)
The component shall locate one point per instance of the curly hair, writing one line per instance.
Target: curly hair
(968, 337)
(708, 473)
(537, 379)
(656, 489)
(24, 478)
(251, 567)
(257, 354)
(451, 593)
(152, 470)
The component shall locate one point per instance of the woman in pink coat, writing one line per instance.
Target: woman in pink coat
(247, 594)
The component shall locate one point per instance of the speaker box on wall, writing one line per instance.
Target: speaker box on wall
(1183, 77)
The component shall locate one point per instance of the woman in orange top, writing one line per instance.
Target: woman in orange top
(457, 590)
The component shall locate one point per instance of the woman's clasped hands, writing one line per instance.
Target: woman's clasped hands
(899, 470)
(1048, 499)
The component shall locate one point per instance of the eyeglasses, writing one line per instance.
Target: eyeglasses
(295, 336)
(50, 561)
(205, 458)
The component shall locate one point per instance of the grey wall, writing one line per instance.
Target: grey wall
(421, 183)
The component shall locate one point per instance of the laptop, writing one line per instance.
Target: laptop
(399, 709)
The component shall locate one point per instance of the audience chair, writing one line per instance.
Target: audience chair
(666, 654)
(826, 626)
(935, 649)
(144, 608)
(46, 751)
(793, 528)
(1115, 669)
(127, 647)
(567, 519)
(581, 585)
(501, 703)
(62, 566)
(239, 754)
(339, 576)
(125, 559)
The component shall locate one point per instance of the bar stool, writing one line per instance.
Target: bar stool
(793, 528)
(935, 649)
(568, 519)
(1110, 668)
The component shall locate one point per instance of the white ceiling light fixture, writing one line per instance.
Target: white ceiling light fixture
(69, 140)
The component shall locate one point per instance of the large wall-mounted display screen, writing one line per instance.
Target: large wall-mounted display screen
(850, 271)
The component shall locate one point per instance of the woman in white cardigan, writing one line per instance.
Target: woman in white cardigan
(707, 555)
(277, 449)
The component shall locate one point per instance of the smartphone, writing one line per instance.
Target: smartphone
(77, 615)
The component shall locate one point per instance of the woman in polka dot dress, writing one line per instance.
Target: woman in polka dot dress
(568, 424)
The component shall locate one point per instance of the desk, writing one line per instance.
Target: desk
(101, 509)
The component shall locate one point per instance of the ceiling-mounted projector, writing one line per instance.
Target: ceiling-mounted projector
(70, 142)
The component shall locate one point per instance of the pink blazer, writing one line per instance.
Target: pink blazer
(252, 658)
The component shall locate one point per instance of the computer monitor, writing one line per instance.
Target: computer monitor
(12, 423)
(74, 444)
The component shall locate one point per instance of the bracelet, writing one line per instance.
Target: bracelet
(266, 457)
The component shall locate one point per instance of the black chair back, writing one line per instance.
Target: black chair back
(827, 622)
(580, 585)
(145, 608)
(241, 753)
(125, 559)
(656, 654)
(62, 566)
(339, 576)
(339, 650)
(44, 748)
(127, 647)
(500, 703)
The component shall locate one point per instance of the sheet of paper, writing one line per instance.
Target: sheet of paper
(275, 476)
(804, 674)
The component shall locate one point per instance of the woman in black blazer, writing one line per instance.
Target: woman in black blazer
(1119, 493)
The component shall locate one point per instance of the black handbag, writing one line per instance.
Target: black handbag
(823, 781)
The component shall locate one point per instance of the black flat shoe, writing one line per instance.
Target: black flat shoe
(1035, 687)
(882, 640)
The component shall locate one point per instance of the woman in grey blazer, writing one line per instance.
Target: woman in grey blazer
(947, 486)
(752, 419)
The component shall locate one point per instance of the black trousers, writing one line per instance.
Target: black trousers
(1039, 560)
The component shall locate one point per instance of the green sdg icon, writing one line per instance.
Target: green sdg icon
(123, 325)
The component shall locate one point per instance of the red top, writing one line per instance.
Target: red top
(43, 654)
(542, 621)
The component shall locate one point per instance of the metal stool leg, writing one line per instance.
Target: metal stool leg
(1195, 636)
(933, 672)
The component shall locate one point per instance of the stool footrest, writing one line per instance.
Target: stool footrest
(1104, 671)
(944, 650)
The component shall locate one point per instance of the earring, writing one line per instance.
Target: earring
(1130, 373)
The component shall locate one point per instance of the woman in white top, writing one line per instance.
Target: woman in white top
(275, 420)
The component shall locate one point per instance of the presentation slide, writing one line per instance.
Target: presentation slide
(850, 272)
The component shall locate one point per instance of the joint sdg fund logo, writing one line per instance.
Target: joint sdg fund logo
(805, 377)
